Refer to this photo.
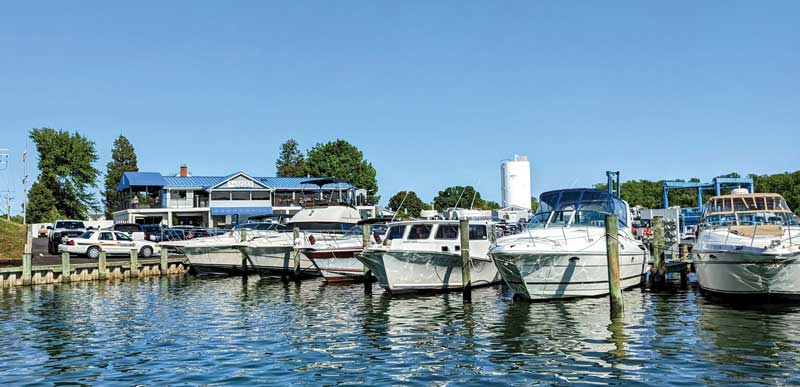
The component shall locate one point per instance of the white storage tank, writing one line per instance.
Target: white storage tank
(516, 181)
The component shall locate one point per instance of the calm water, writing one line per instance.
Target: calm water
(223, 331)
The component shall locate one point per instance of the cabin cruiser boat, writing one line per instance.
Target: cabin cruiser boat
(320, 229)
(425, 255)
(562, 253)
(335, 257)
(221, 254)
(748, 244)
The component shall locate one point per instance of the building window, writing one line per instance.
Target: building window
(179, 194)
(240, 195)
(221, 195)
(260, 195)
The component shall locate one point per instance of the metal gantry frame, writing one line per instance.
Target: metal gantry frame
(718, 183)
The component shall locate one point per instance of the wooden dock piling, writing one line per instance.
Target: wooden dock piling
(365, 235)
(164, 264)
(296, 236)
(65, 269)
(27, 260)
(102, 270)
(134, 263)
(612, 256)
(659, 265)
(466, 281)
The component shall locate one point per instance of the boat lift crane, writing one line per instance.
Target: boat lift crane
(718, 183)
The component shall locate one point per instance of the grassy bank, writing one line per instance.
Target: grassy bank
(12, 240)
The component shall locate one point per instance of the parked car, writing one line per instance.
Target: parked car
(91, 243)
(152, 232)
(134, 230)
(62, 229)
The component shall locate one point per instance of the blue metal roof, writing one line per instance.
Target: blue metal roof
(140, 179)
(153, 179)
(292, 183)
(192, 181)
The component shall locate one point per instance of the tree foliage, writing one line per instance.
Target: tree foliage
(41, 203)
(534, 204)
(342, 160)
(786, 184)
(67, 171)
(462, 197)
(123, 159)
(411, 206)
(291, 162)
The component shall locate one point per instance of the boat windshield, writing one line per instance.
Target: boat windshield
(747, 210)
(583, 207)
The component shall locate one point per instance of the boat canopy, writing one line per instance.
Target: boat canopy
(583, 199)
(746, 203)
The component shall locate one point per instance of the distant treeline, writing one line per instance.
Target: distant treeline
(647, 193)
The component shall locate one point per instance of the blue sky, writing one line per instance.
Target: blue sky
(434, 93)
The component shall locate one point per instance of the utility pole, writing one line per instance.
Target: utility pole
(8, 204)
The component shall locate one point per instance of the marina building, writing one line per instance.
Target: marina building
(223, 201)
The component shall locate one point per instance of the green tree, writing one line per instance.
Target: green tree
(534, 204)
(123, 159)
(342, 160)
(41, 203)
(291, 162)
(462, 197)
(66, 163)
(411, 206)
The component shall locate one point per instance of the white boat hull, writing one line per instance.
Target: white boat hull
(560, 276)
(278, 260)
(408, 271)
(214, 260)
(747, 273)
(337, 265)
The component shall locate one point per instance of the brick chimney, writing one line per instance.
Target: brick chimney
(184, 170)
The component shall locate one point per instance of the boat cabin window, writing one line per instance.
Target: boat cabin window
(539, 220)
(561, 218)
(396, 232)
(446, 231)
(477, 232)
(420, 231)
(589, 218)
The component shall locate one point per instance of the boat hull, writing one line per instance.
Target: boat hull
(278, 260)
(748, 274)
(409, 271)
(337, 265)
(214, 260)
(562, 276)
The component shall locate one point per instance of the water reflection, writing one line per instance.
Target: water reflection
(185, 330)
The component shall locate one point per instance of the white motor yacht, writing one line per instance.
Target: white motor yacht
(748, 244)
(221, 254)
(425, 255)
(562, 254)
(276, 253)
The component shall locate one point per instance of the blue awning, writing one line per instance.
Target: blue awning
(249, 211)
(141, 179)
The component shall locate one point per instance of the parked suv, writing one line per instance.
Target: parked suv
(134, 230)
(62, 229)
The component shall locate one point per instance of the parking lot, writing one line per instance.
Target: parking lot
(41, 257)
